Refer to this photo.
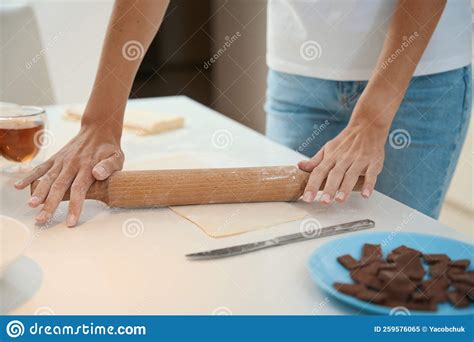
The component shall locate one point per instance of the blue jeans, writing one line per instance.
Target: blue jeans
(425, 138)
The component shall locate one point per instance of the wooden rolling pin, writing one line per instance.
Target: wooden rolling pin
(157, 188)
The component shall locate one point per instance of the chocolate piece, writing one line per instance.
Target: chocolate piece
(454, 270)
(367, 260)
(350, 289)
(439, 297)
(462, 263)
(439, 268)
(369, 250)
(466, 277)
(440, 283)
(464, 289)
(419, 296)
(348, 262)
(391, 257)
(435, 289)
(387, 275)
(434, 258)
(397, 284)
(410, 264)
(387, 266)
(404, 249)
(458, 299)
(363, 277)
(371, 296)
(372, 268)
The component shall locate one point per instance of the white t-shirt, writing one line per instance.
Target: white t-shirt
(341, 39)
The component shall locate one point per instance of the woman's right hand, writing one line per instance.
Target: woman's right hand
(91, 155)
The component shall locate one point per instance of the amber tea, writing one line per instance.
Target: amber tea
(20, 141)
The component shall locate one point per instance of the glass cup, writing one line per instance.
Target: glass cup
(23, 136)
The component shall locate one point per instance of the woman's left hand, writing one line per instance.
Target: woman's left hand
(357, 150)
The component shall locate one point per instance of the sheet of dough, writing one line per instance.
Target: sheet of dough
(139, 121)
(220, 220)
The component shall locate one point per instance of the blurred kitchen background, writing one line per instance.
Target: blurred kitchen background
(50, 50)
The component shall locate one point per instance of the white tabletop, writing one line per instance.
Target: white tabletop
(96, 269)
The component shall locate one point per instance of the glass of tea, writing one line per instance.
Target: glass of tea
(22, 137)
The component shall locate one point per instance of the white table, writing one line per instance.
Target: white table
(97, 269)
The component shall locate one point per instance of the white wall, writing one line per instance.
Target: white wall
(72, 57)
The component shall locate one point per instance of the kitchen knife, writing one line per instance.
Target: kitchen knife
(158, 188)
(283, 240)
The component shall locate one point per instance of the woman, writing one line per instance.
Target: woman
(343, 74)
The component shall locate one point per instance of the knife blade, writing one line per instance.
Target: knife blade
(283, 240)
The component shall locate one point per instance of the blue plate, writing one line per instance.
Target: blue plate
(325, 269)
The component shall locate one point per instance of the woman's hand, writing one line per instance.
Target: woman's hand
(93, 154)
(357, 150)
